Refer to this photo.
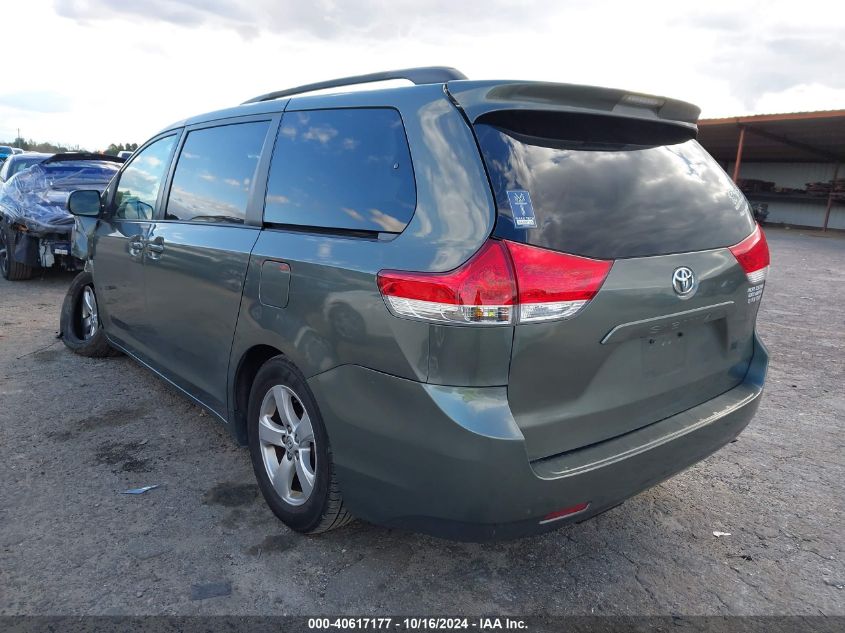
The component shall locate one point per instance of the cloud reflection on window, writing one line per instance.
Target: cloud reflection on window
(348, 169)
(612, 203)
(137, 190)
(213, 186)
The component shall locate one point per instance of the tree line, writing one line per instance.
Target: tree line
(113, 149)
(51, 148)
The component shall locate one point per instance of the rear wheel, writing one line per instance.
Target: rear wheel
(81, 329)
(290, 451)
(11, 269)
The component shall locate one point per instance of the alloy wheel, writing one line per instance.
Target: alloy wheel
(90, 317)
(288, 446)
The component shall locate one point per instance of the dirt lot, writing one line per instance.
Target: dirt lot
(74, 432)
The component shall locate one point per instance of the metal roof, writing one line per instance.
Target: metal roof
(792, 137)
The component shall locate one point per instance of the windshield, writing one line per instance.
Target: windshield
(606, 201)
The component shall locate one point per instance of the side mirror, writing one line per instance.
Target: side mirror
(85, 202)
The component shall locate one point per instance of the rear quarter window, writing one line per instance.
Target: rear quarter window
(341, 169)
(612, 200)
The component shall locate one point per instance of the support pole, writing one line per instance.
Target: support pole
(738, 161)
(830, 197)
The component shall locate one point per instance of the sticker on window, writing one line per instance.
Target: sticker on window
(522, 209)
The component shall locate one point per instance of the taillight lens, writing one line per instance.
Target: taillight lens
(552, 285)
(503, 283)
(481, 292)
(752, 253)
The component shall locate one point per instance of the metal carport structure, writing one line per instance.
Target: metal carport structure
(794, 138)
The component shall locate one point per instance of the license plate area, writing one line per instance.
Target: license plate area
(664, 353)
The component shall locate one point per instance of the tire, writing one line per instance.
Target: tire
(12, 269)
(293, 451)
(80, 329)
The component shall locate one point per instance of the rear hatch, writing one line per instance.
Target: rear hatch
(608, 176)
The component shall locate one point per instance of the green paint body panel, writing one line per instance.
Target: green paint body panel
(452, 461)
(568, 388)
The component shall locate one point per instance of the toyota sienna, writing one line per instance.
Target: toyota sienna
(478, 309)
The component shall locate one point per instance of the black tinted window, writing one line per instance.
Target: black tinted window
(597, 200)
(214, 173)
(347, 169)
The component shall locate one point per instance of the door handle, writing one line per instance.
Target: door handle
(155, 248)
(136, 245)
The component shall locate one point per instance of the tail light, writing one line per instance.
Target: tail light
(752, 253)
(554, 285)
(504, 283)
(482, 291)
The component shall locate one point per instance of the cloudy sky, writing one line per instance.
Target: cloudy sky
(92, 72)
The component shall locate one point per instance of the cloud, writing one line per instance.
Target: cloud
(797, 98)
(44, 101)
(728, 57)
(326, 19)
(323, 134)
(179, 12)
(352, 213)
(386, 221)
(768, 52)
(779, 63)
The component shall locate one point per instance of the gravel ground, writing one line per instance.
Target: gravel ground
(75, 431)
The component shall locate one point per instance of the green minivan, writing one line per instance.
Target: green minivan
(477, 309)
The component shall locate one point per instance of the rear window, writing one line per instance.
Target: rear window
(342, 169)
(611, 195)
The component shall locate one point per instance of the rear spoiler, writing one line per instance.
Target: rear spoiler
(66, 156)
(479, 98)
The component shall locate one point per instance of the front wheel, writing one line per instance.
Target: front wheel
(80, 326)
(290, 451)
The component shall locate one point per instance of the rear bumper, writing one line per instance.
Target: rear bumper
(451, 461)
(42, 250)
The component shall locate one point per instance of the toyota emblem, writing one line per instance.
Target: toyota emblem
(684, 282)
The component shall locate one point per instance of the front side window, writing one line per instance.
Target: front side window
(342, 169)
(214, 173)
(140, 181)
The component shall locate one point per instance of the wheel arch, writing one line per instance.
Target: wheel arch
(250, 362)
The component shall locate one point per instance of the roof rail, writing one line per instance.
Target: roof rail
(421, 75)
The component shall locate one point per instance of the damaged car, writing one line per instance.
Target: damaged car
(35, 227)
(18, 162)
